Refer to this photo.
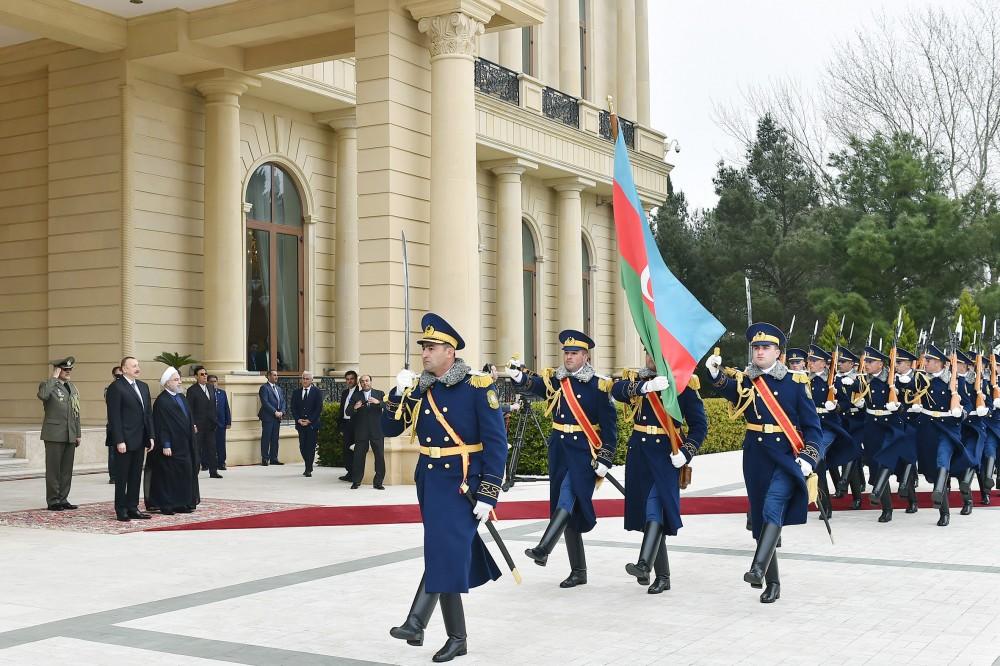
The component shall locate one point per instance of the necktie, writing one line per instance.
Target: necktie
(138, 393)
(181, 401)
(305, 392)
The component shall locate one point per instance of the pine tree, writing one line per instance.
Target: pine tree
(828, 335)
(908, 339)
(971, 318)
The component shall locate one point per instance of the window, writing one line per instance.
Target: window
(584, 61)
(587, 305)
(530, 282)
(528, 51)
(274, 272)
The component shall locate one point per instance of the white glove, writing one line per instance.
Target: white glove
(903, 379)
(892, 406)
(714, 365)
(982, 411)
(514, 371)
(656, 384)
(514, 406)
(829, 405)
(601, 470)
(915, 408)
(804, 465)
(481, 511)
(404, 380)
(859, 403)
(996, 403)
(957, 412)
(678, 459)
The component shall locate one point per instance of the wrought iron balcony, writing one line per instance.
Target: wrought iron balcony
(560, 107)
(626, 127)
(500, 82)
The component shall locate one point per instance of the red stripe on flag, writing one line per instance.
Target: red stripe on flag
(628, 222)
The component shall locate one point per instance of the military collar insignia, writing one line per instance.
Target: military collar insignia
(455, 374)
(778, 371)
(584, 374)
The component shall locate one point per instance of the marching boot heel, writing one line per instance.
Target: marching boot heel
(412, 629)
(772, 591)
(554, 530)
(662, 567)
(647, 553)
(766, 544)
(577, 560)
(454, 623)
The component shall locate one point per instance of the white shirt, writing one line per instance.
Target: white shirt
(305, 392)
(204, 387)
(135, 387)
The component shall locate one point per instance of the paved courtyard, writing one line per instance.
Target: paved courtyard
(905, 592)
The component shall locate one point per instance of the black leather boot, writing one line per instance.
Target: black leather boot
(881, 482)
(845, 479)
(911, 495)
(647, 552)
(662, 568)
(835, 477)
(454, 623)
(577, 560)
(940, 487)
(943, 509)
(904, 480)
(766, 544)
(412, 630)
(857, 481)
(985, 481)
(885, 499)
(749, 523)
(772, 591)
(554, 530)
(965, 487)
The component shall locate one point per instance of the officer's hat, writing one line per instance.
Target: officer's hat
(815, 351)
(795, 354)
(763, 333)
(965, 357)
(905, 355)
(64, 363)
(575, 341)
(933, 352)
(846, 354)
(438, 331)
(873, 354)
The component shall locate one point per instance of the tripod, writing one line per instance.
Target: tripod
(517, 443)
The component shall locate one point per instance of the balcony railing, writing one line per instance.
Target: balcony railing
(626, 127)
(330, 387)
(500, 82)
(560, 107)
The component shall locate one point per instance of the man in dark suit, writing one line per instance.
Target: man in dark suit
(272, 409)
(223, 421)
(346, 424)
(130, 420)
(307, 407)
(366, 412)
(116, 372)
(201, 399)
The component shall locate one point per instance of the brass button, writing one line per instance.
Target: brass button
(657, 440)
(444, 410)
(574, 436)
(447, 465)
(760, 439)
(777, 439)
(428, 439)
(578, 395)
(643, 418)
(430, 465)
(427, 411)
(775, 393)
(644, 439)
(446, 438)
(562, 436)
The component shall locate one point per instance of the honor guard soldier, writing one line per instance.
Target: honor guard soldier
(455, 414)
(581, 447)
(909, 383)
(848, 384)
(974, 428)
(658, 451)
(939, 441)
(796, 359)
(60, 432)
(781, 447)
(988, 467)
(838, 445)
(883, 428)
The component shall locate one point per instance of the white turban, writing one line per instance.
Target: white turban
(167, 374)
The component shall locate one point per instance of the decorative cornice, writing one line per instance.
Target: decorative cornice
(452, 34)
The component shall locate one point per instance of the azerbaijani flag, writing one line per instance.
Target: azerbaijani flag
(672, 324)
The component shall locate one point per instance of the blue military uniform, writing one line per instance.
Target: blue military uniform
(901, 453)
(572, 457)
(776, 486)
(987, 468)
(975, 431)
(652, 488)
(883, 429)
(838, 444)
(853, 418)
(457, 423)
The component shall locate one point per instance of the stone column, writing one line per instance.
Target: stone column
(642, 61)
(346, 285)
(548, 46)
(510, 49)
(570, 250)
(224, 315)
(569, 47)
(510, 292)
(454, 236)
(626, 59)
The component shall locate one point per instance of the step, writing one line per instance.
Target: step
(7, 453)
(12, 470)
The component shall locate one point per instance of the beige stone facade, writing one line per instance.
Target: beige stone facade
(128, 139)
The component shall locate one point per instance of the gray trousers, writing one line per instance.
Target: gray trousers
(58, 471)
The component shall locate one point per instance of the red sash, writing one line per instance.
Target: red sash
(581, 418)
(794, 437)
(666, 421)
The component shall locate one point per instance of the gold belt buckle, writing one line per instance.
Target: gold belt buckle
(650, 430)
(435, 451)
(770, 429)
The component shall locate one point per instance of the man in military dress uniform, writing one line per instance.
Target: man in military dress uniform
(909, 383)
(847, 383)
(974, 428)
(987, 467)
(60, 432)
(581, 447)
(657, 451)
(838, 445)
(780, 450)
(883, 428)
(455, 415)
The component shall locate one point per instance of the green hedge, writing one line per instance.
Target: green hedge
(724, 434)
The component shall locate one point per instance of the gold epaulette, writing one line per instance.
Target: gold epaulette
(800, 377)
(694, 383)
(480, 379)
(630, 374)
(605, 383)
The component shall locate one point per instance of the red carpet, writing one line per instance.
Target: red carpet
(328, 516)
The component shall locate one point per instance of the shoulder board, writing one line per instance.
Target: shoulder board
(604, 383)
(801, 377)
(630, 374)
(694, 383)
(480, 379)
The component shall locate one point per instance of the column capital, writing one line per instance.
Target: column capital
(572, 184)
(453, 34)
(514, 166)
(221, 81)
(339, 120)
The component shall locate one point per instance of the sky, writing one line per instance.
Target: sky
(705, 53)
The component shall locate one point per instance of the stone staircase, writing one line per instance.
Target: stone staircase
(9, 464)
